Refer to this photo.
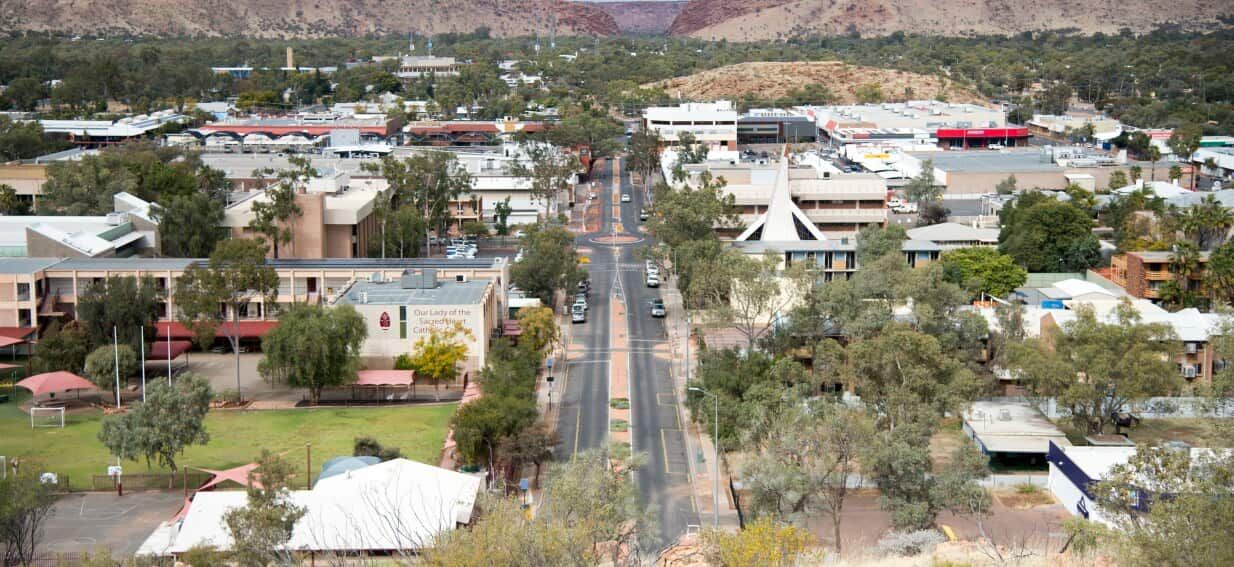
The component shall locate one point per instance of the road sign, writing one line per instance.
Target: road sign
(114, 470)
(524, 484)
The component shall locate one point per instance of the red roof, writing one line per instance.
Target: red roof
(385, 378)
(163, 350)
(55, 382)
(248, 329)
(471, 127)
(10, 341)
(982, 133)
(16, 332)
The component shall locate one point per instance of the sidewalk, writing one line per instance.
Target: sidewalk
(698, 444)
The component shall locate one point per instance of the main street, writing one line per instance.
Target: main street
(657, 430)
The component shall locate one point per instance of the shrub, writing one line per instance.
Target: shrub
(910, 543)
(619, 403)
(619, 425)
(1027, 488)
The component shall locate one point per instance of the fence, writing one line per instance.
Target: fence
(153, 481)
(1149, 408)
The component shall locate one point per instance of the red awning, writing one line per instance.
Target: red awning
(385, 378)
(238, 475)
(163, 350)
(61, 381)
(17, 332)
(4, 366)
(10, 341)
(248, 329)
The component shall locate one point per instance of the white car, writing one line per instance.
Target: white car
(578, 315)
(653, 280)
(625, 197)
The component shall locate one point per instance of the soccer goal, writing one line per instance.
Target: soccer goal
(46, 417)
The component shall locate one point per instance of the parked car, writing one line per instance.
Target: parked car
(580, 300)
(657, 308)
(642, 214)
(584, 286)
(905, 208)
(653, 280)
(578, 315)
(625, 197)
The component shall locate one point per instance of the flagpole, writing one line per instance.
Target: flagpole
(169, 354)
(115, 346)
(143, 362)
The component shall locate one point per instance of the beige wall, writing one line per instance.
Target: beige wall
(26, 179)
(977, 183)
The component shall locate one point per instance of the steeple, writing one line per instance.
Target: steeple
(783, 221)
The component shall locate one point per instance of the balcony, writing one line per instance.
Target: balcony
(1158, 275)
(846, 215)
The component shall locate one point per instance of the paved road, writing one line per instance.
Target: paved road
(583, 420)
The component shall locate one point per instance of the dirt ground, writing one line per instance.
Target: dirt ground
(87, 521)
(863, 523)
(220, 370)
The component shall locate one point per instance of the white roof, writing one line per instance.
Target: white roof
(1076, 287)
(1163, 189)
(395, 505)
(1011, 427)
(1189, 324)
(954, 232)
(1096, 462)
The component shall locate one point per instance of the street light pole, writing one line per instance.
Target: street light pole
(715, 493)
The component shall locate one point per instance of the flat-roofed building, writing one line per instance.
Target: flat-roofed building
(951, 125)
(1011, 432)
(950, 235)
(712, 123)
(416, 66)
(96, 133)
(129, 231)
(968, 175)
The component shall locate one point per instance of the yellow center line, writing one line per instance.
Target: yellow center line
(664, 449)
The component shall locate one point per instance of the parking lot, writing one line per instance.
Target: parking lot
(88, 521)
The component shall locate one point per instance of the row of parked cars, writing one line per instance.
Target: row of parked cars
(578, 311)
(462, 248)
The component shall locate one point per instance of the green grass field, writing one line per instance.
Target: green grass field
(235, 438)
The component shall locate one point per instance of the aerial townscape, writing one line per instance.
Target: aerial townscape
(670, 283)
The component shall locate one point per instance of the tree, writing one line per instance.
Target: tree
(910, 375)
(1118, 180)
(549, 262)
(602, 502)
(1136, 173)
(923, 188)
(539, 328)
(585, 128)
(1006, 186)
(261, 529)
(690, 150)
(125, 304)
(899, 461)
(958, 491)
(20, 140)
(530, 445)
(64, 346)
(10, 203)
(437, 356)
(1219, 274)
(501, 217)
(1188, 511)
(480, 426)
(869, 93)
(371, 447)
(425, 183)
(475, 229)
(25, 505)
(1047, 235)
(84, 187)
(874, 242)
(314, 347)
(23, 93)
(101, 366)
(232, 279)
(273, 212)
(754, 296)
(644, 154)
(196, 218)
(692, 212)
(551, 172)
(1121, 361)
(169, 420)
(1176, 173)
(932, 213)
(1154, 155)
(802, 465)
(763, 542)
(983, 270)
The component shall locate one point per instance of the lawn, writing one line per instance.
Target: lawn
(1198, 432)
(235, 438)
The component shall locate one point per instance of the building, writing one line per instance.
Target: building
(1222, 157)
(26, 177)
(1011, 432)
(397, 506)
(463, 133)
(833, 258)
(950, 235)
(1062, 126)
(36, 291)
(775, 126)
(1143, 273)
(129, 231)
(416, 66)
(712, 123)
(835, 204)
(399, 311)
(950, 125)
(258, 133)
(98, 133)
(968, 175)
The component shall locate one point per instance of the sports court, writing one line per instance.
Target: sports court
(87, 521)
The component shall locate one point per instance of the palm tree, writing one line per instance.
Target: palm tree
(1154, 155)
(1214, 222)
(1136, 173)
(1184, 263)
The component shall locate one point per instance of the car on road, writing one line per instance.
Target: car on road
(642, 214)
(653, 280)
(580, 300)
(625, 197)
(584, 286)
(905, 208)
(578, 315)
(657, 308)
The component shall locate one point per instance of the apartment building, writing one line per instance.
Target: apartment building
(1143, 273)
(712, 123)
(36, 291)
(833, 259)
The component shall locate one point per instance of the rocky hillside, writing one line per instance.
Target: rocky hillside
(643, 17)
(771, 80)
(301, 18)
(743, 20)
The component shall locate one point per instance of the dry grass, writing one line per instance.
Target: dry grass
(776, 79)
(1197, 432)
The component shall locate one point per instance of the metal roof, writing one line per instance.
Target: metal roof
(990, 162)
(393, 293)
(384, 263)
(26, 265)
(144, 264)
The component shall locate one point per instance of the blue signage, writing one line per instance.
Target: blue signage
(1052, 304)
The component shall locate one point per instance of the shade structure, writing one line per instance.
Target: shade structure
(238, 475)
(163, 350)
(4, 366)
(10, 341)
(385, 378)
(49, 382)
(341, 465)
(248, 329)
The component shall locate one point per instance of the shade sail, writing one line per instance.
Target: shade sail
(248, 329)
(385, 378)
(238, 475)
(48, 382)
(163, 350)
(10, 341)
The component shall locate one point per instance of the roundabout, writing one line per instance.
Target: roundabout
(615, 240)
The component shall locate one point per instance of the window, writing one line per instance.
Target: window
(23, 291)
(402, 329)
